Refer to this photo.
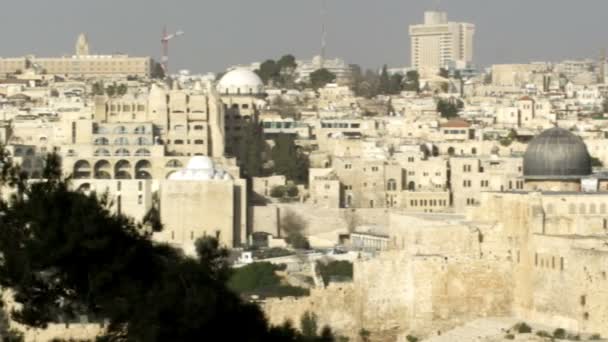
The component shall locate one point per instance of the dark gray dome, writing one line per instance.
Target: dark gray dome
(557, 153)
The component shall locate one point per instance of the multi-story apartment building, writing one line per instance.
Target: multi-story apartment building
(439, 43)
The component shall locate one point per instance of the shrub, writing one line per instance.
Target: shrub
(277, 191)
(595, 337)
(559, 333)
(510, 337)
(522, 328)
(411, 338)
(260, 279)
(274, 252)
(292, 191)
(294, 227)
(543, 333)
(335, 269)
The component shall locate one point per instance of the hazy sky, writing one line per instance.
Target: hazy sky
(220, 33)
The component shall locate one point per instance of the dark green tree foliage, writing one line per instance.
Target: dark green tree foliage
(294, 227)
(321, 77)
(396, 84)
(278, 73)
(269, 71)
(251, 149)
(158, 72)
(448, 109)
(339, 269)
(412, 81)
(444, 73)
(260, 279)
(308, 325)
(384, 87)
(98, 88)
(286, 63)
(605, 106)
(289, 161)
(66, 254)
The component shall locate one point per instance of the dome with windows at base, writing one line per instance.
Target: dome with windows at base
(241, 82)
(557, 153)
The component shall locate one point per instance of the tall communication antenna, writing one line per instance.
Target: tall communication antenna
(166, 37)
(323, 31)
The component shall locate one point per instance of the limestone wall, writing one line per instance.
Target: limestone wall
(437, 280)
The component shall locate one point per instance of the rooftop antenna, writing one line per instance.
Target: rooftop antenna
(323, 31)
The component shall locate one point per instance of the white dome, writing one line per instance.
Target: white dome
(189, 174)
(241, 82)
(200, 168)
(200, 163)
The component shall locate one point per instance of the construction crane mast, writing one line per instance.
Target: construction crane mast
(166, 37)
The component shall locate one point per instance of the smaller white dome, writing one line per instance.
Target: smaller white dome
(200, 163)
(241, 82)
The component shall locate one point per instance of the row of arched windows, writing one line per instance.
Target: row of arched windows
(121, 130)
(122, 152)
(121, 141)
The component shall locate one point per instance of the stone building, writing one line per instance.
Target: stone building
(536, 256)
(82, 64)
(472, 175)
(242, 93)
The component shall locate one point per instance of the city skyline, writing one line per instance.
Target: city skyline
(217, 35)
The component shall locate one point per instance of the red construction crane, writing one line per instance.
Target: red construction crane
(165, 45)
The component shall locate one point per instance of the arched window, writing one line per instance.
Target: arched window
(120, 130)
(101, 152)
(142, 141)
(101, 130)
(140, 130)
(451, 151)
(82, 169)
(473, 151)
(602, 208)
(592, 208)
(122, 170)
(123, 152)
(198, 142)
(174, 163)
(101, 141)
(121, 141)
(571, 208)
(411, 186)
(178, 142)
(103, 170)
(142, 152)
